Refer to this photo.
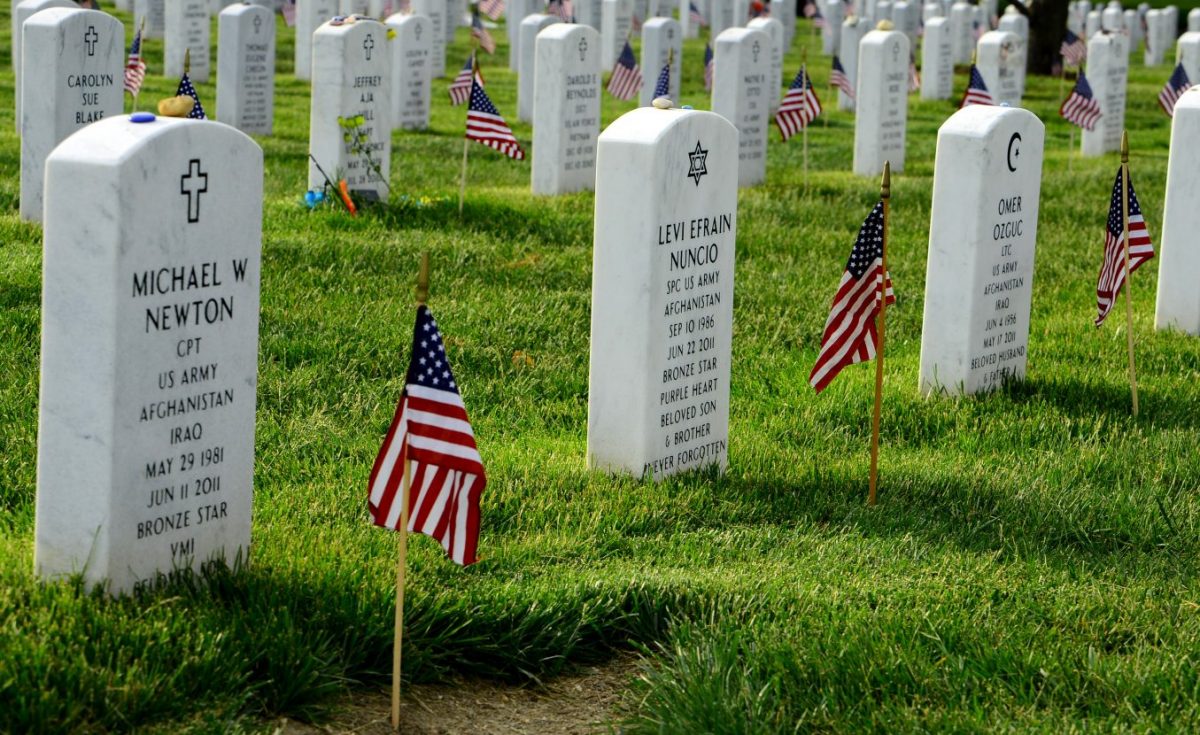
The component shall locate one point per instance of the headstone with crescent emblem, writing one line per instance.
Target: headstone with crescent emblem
(435, 11)
(72, 78)
(1178, 304)
(310, 14)
(616, 25)
(982, 236)
(740, 94)
(853, 29)
(881, 120)
(962, 42)
(246, 68)
(149, 360)
(411, 83)
(530, 27)
(662, 39)
(352, 80)
(662, 293)
(187, 33)
(1107, 73)
(22, 12)
(566, 108)
(937, 61)
(1000, 60)
(155, 13)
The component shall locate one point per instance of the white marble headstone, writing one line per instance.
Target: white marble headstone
(904, 21)
(883, 11)
(937, 61)
(310, 14)
(1112, 20)
(1107, 71)
(741, 72)
(73, 62)
(931, 11)
(1013, 22)
(831, 34)
(1133, 28)
(774, 30)
(352, 76)
(662, 293)
(435, 11)
(155, 13)
(1094, 23)
(530, 27)
(1170, 26)
(687, 26)
(149, 350)
(882, 111)
(1193, 20)
(1178, 303)
(566, 108)
(1155, 50)
(615, 27)
(354, 7)
(720, 17)
(514, 12)
(961, 41)
(784, 11)
(587, 12)
(982, 232)
(661, 39)
(853, 29)
(246, 68)
(187, 30)
(1001, 63)
(410, 70)
(22, 12)
(1187, 52)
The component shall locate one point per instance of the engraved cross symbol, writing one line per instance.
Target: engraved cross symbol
(90, 39)
(257, 24)
(368, 45)
(582, 48)
(192, 185)
(755, 49)
(417, 31)
(896, 53)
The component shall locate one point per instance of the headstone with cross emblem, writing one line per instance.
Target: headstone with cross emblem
(662, 293)
(22, 12)
(566, 108)
(1107, 73)
(72, 77)
(937, 61)
(740, 94)
(530, 27)
(149, 350)
(310, 14)
(352, 79)
(881, 118)
(435, 11)
(662, 39)
(187, 34)
(853, 29)
(1000, 59)
(246, 68)
(774, 30)
(616, 26)
(410, 70)
(1178, 303)
(982, 232)
(155, 13)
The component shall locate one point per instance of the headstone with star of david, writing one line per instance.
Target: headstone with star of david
(853, 29)
(937, 61)
(150, 303)
(155, 13)
(410, 70)
(246, 68)
(982, 237)
(662, 293)
(22, 12)
(1107, 73)
(881, 119)
(1178, 301)
(531, 26)
(616, 21)
(435, 11)
(740, 94)
(72, 77)
(187, 32)
(310, 14)
(352, 78)
(662, 39)
(1000, 59)
(774, 30)
(566, 109)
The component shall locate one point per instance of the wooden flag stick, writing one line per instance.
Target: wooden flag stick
(885, 193)
(141, 30)
(187, 61)
(1128, 274)
(462, 181)
(804, 131)
(402, 559)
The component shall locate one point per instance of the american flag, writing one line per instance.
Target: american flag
(432, 434)
(799, 107)
(626, 79)
(977, 92)
(561, 9)
(1175, 86)
(460, 88)
(1112, 271)
(850, 333)
(288, 11)
(695, 17)
(492, 8)
(708, 67)
(135, 68)
(479, 33)
(662, 87)
(485, 125)
(838, 78)
(1073, 49)
(185, 87)
(1081, 106)
(914, 79)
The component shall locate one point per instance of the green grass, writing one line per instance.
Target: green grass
(1031, 565)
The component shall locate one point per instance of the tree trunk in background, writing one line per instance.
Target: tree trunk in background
(1047, 24)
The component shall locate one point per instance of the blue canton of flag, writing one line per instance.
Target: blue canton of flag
(1141, 249)
(1176, 85)
(708, 66)
(185, 87)
(662, 87)
(1081, 108)
(485, 125)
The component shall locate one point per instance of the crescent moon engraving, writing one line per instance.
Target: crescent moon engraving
(1016, 138)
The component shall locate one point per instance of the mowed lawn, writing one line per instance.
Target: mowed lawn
(1031, 565)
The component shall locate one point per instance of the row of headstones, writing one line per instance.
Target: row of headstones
(151, 292)
(1159, 28)
(908, 17)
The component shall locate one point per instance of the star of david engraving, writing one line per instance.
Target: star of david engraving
(697, 168)
(90, 39)
(192, 185)
(582, 48)
(369, 45)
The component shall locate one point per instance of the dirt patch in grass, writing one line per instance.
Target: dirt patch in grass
(577, 704)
